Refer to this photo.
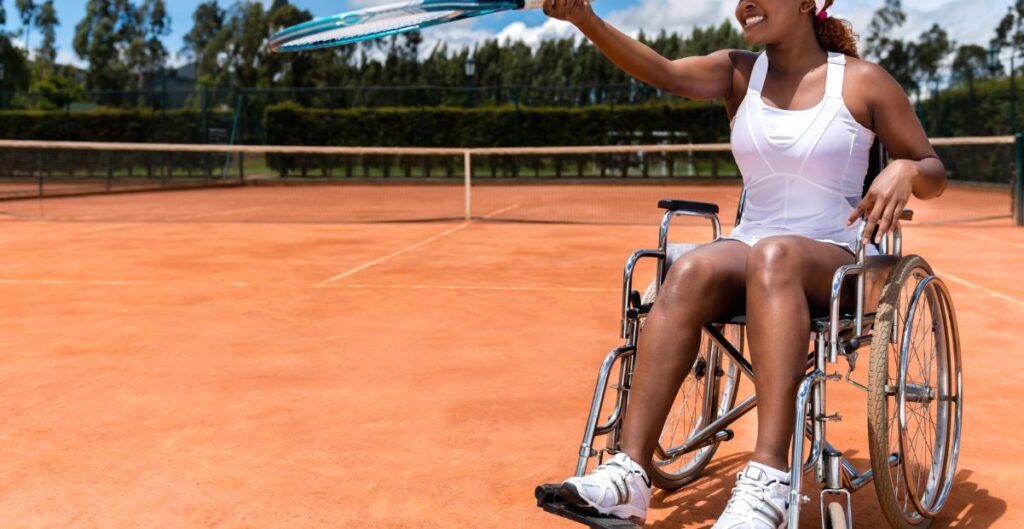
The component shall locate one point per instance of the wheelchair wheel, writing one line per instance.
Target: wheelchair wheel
(914, 401)
(692, 410)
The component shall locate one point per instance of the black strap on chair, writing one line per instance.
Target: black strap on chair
(877, 160)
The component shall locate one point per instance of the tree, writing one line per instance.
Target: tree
(970, 63)
(1009, 32)
(54, 92)
(893, 54)
(931, 50)
(244, 35)
(17, 74)
(295, 69)
(99, 40)
(46, 53)
(145, 54)
(26, 12)
(200, 41)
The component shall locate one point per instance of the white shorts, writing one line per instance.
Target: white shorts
(850, 247)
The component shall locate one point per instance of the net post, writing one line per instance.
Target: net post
(467, 168)
(1018, 183)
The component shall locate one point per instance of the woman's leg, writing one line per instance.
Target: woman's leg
(787, 276)
(700, 286)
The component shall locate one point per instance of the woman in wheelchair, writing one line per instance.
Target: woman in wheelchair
(804, 115)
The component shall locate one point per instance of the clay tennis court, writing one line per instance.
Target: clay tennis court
(169, 360)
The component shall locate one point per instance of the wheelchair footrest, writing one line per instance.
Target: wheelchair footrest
(549, 500)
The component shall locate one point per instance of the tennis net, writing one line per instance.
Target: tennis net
(254, 183)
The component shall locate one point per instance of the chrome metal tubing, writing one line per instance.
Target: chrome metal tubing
(622, 395)
(709, 431)
(836, 302)
(666, 222)
(854, 480)
(818, 405)
(797, 469)
(586, 447)
(833, 475)
(627, 283)
(711, 380)
(897, 240)
(862, 259)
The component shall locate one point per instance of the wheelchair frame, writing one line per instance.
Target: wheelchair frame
(834, 336)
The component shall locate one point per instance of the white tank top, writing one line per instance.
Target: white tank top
(803, 170)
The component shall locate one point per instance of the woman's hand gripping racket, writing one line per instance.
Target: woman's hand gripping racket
(382, 21)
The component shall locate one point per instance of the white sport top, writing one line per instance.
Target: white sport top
(803, 170)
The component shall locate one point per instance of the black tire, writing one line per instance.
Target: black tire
(907, 500)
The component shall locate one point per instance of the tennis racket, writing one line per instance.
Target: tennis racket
(392, 19)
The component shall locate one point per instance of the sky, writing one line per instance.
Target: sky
(967, 21)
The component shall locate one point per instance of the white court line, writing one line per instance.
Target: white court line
(986, 238)
(497, 212)
(408, 249)
(395, 253)
(993, 293)
(503, 288)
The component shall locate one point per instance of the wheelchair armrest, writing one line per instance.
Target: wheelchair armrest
(703, 208)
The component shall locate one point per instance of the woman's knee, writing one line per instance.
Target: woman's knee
(690, 280)
(775, 262)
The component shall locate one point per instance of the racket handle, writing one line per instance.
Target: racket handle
(535, 4)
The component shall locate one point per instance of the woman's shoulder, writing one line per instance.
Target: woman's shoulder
(870, 80)
(866, 73)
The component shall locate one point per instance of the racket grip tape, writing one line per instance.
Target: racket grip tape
(535, 4)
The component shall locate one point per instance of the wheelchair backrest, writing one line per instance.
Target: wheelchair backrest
(877, 160)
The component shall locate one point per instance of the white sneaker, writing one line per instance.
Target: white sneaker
(759, 500)
(618, 488)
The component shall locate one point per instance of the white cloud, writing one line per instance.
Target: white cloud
(69, 57)
(672, 15)
(363, 4)
(468, 33)
(532, 36)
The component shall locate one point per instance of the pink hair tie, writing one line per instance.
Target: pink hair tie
(822, 15)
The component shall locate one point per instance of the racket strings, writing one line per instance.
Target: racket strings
(374, 27)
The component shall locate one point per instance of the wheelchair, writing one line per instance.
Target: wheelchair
(905, 320)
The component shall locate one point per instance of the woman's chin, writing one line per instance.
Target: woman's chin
(752, 39)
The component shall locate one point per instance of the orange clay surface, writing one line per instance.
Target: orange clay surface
(185, 369)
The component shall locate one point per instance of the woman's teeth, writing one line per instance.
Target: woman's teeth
(754, 20)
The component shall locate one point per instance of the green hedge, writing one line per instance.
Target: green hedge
(132, 125)
(504, 126)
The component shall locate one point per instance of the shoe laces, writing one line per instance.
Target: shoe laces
(750, 496)
(616, 473)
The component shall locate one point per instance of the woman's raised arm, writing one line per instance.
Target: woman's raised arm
(700, 77)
